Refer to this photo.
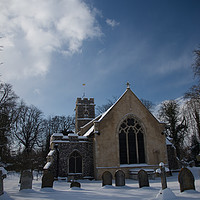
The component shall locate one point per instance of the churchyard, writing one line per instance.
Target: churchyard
(175, 187)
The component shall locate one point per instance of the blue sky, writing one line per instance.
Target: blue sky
(52, 47)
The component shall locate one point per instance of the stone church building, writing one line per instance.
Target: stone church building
(125, 137)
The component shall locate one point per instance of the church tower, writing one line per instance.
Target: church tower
(85, 112)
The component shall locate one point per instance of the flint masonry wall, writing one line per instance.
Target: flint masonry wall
(63, 147)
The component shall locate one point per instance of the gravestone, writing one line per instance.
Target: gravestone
(1, 182)
(75, 184)
(143, 179)
(119, 178)
(186, 180)
(26, 180)
(106, 178)
(47, 179)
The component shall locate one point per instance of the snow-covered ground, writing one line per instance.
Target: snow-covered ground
(94, 190)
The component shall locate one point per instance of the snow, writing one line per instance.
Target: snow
(47, 165)
(4, 172)
(51, 152)
(89, 131)
(166, 194)
(161, 164)
(57, 135)
(159, 171)
(72, 135)
(91, 190)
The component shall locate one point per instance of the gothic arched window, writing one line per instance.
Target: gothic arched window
(131, 142)
(75, 163)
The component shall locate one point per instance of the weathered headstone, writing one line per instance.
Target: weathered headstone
(75, 184)
(186, 180)
(106, 178)
(47, 179)
(119, 178)
(26, 180)
(143, 179)
(1, 182)
(163, 176)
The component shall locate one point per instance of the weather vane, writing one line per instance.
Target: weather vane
(83, 90)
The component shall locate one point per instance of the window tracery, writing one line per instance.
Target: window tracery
(131, 142)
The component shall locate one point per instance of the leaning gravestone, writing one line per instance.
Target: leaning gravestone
(1, 182)
(26, 180)
(143, 179)
(186, 180)
(119, 178)
(47, 179)
(106, 178)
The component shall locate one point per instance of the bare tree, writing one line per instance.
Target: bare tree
(103, 108)
(196, 64)
(192, 112)
(8, 101)
(27, 129)
(176, 129)
(56, 124)
(148, 104)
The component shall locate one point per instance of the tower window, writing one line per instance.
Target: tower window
(131, 142)
(86, 114)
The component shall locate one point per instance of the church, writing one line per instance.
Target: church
(127, 136)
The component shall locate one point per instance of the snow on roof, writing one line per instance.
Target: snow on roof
(51, 152)
(95, 119)
(47, 165)
(57, 134)
(72, 135)
(168, 142)
(82, 137)
(89, 131)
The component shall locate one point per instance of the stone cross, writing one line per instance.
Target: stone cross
(143, 179)
(26, 180)
(186, 180)
(106, 178)
(119, 178)
(163, 176)
(128, 85)
(1, 182)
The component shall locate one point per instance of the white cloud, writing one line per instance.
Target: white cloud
(36, 91)
(33, 29)
(112, 22)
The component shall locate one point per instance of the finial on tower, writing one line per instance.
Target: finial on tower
(128, 85)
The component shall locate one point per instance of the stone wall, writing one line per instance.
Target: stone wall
(85, 112)
(63, 148)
